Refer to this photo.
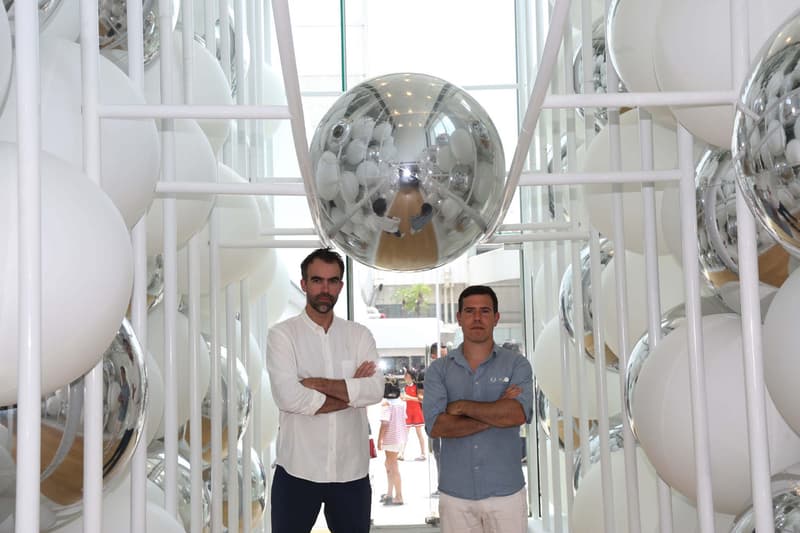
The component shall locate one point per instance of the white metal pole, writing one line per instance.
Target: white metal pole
(233, 437)
(216, 377)
(29, 242)
(247, 438)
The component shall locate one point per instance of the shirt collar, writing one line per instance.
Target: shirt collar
(457, 356)
(313, 325)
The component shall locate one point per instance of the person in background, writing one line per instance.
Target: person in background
(435, 443)
(323, 374)
(391, 439)
(475, 400)
(414, 419)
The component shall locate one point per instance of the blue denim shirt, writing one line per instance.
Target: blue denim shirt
(487, 463)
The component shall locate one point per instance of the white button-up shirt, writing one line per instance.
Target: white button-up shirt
(329, 447)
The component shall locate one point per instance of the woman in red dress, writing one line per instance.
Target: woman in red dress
(414, 411)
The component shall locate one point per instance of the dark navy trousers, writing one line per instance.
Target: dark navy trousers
(296, 503)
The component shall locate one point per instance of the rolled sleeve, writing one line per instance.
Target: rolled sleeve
(289, 394)
(434, 401)
(366, 391)
(522, 376)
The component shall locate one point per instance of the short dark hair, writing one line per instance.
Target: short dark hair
(390, 389)
(434, 348)
(472, 290)
(326, 255)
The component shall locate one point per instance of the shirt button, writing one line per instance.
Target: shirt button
(476, 383)
(477, 467)
(476, 446)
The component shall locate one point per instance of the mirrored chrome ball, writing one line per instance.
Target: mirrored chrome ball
(785, 487)
(567, 305)
(46, 10)
(546, 423)
(243, 408)
(258, 487)
(600, 63)
(156, 472)
(766, 138)
(717, 229)
(125, 398)
(615, 442)
(408, 172)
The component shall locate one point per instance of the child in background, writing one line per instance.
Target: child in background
(411, 395)
(390, 439)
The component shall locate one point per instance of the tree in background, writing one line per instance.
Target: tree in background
(413, 297)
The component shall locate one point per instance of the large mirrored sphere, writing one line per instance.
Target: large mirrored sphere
(582, 464)
(717, 230)
(567, 309)
(408, 173)
(113, 21)
(124, 393)
(46, 10)
(542, 405)
(258, 488)
(785, 504)
(766, 139)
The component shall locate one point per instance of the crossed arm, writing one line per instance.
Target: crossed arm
(335, 390)
(466, 417)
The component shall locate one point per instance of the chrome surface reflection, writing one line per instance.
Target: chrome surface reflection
(766, 137)
(46, 10)
(566, 304)
(599, 79)
(125, 398)
(156, 472)
(785, 488)
(615, 442)
(244, 406)
(717, 229)
(542, 405)
(258, 487)
(408, 172)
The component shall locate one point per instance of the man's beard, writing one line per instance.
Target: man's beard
(322, 306)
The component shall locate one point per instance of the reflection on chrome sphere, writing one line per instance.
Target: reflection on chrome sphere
(566, 304)
(543, 415)
(717, 233)
(408, 172)
(599, 62)
(615, 442)
(113, 21)
(156, 472)
(243, 408)
(258, 487)
(766, 139)
(785, 504)
(124, 393)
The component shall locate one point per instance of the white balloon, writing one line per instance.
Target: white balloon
(6, 55)
(239, 219)
(277, 294)
(255, 359)
(194, 161)
(130, 150)
(273, 93)
(599, 197)
(269, 412)
(87, 273)
(155, 343)
(588, 505)
(547, 366)
(209, 86)
(117, 514)
(64, 23)
(155, 398)
(661, 405)
(780, 351)
(542, 284)
(670, 276)
(692, 52)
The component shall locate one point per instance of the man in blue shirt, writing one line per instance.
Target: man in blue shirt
(475, 399)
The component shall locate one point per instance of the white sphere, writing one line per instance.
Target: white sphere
(277, 294)
(661, 405)
(195, 162)
(130, 150)
(273, 93)
(542, 284)
(239, 219)
(209, 86)
(629, 42)
(155, 343)
(547, 362)
(155, 398)
(269, 412)
(780, 351)
(6, 55)
(87, 273)
(692, 52)
(255, 359)
(670, 276)
(64, 23)
(599, 197)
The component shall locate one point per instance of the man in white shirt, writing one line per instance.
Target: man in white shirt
(323, 374)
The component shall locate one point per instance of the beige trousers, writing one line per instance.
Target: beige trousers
(502, 514)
